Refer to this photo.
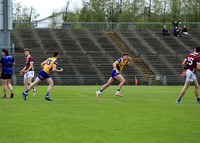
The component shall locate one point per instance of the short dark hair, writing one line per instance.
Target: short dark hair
(5, 51)
(55, 54)
(28, 50)
(125, 54)
(197, 49)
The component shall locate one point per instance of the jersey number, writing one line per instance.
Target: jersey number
(190, 61)
(48, 62)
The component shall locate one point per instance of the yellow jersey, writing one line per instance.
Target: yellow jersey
(49, 64)
(121, 63)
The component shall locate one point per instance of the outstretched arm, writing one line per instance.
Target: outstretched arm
(129, 62)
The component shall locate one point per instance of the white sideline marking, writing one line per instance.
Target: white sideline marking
(100, 98)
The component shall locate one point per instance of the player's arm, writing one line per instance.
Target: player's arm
(54, 69)
(31, 65)
(129, 62)
(43, 63)
(22, 71)
(198, 65)
(13, 63)
(115, 66)
(183, 64)
(23, 68)
(183, 67)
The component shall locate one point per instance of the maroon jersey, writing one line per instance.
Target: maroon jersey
(191, 61)
(28, 60)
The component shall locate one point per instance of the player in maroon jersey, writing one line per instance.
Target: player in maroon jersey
(28, 70)
(189, 65)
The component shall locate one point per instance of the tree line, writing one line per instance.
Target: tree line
(119, 11)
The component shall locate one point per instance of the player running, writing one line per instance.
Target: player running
(189, 65)
(28, 70)
(7, 62)
(118, 65)
(49, 64)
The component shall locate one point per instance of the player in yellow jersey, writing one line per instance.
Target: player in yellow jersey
(48, 65)
(118, 65)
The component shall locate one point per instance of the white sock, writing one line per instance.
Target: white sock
(98, 92)
(117, 92)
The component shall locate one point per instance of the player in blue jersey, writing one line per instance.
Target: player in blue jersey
(7, 62)
(48, 65)
(118, 65)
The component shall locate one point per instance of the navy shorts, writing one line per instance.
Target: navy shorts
(43, 75)
(6, 76)
(114, 73)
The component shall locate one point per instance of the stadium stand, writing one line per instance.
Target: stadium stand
(162, 54)
(87, 55)
(86, 59)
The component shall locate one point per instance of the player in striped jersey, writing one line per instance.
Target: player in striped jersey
(48, 65)
(118, 65)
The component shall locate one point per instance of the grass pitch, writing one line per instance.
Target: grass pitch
(146, 114)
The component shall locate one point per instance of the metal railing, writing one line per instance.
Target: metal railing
(94, 80)
(103, 25)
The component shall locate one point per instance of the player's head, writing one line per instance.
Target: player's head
(125, 56)
(197, 49)
(27, 52)
(5, 51)
(55, 54)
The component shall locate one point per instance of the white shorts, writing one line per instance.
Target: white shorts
(190, 76)
(29, 74)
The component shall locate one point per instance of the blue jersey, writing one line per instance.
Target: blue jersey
(7, 64)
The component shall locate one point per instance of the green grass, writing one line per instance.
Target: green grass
(146, 114)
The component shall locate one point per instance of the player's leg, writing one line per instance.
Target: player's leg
(187, 84)
(29, 80)
(51, 84)
(196, 90)
(25, 82)
(25, 93)
(9, 85)
(109, 82)
(122, 81)
(37, 80)
(4, 83)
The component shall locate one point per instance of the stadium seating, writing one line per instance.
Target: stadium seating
(163, 54)
(87, 55)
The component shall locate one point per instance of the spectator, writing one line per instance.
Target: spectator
(175, 23)
(177, 32)
(165, 30)
(184, 31)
